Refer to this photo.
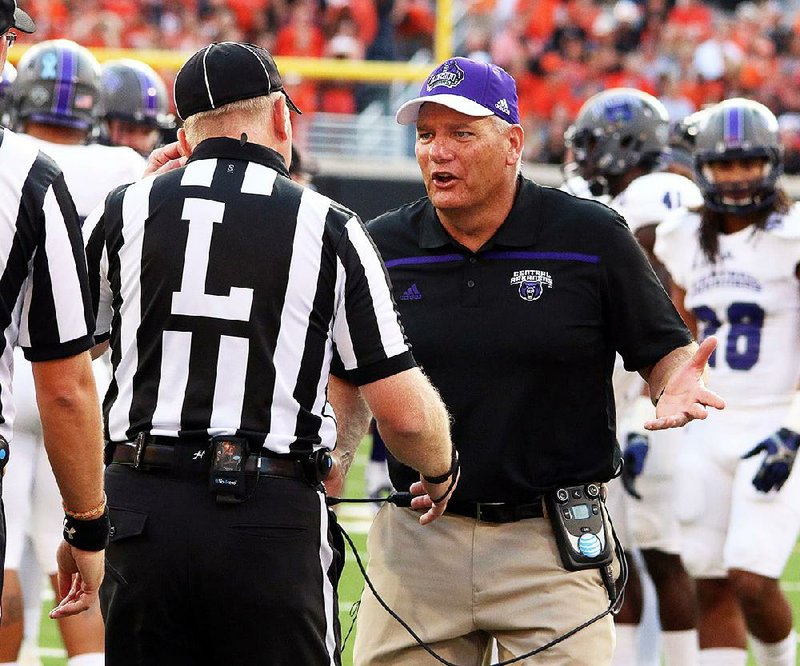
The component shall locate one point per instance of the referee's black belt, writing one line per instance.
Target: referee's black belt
(162, 457)
(496, 512)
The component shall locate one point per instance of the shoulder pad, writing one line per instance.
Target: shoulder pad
(652, 198)
(785, 225)
(679, 223)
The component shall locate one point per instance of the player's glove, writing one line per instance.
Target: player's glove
(636, 447)
(781, 449)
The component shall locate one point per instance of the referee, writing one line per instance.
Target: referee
(222, 287)
(45, 309)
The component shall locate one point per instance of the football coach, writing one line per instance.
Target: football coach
(221, 287)
(516, 298)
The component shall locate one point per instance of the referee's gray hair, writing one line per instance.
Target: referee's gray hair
(206, 124)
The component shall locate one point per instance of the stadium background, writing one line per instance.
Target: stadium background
(349, 63)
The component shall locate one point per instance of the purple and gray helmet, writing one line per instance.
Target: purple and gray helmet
(133, 91)
(7, 79)
(738, 129)
(58, 83)
(617, 130)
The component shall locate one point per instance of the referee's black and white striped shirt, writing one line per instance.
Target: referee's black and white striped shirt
(224, 286)
(44, 293)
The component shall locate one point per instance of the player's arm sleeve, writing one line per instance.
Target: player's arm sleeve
(369, 340)
(56, 318)
(97, 265)
(643, 322)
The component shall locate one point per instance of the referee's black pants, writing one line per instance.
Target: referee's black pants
(190, 581)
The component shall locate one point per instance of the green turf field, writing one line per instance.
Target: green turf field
(356, 521)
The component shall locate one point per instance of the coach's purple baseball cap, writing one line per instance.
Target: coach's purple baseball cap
(467, 86)
(12, 16)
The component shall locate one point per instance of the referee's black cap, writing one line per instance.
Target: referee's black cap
(225, 72)
(12, 16)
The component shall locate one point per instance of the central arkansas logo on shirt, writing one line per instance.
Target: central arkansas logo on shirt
(531, 283)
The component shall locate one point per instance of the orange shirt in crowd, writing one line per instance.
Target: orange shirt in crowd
(416, 19)
(692, 17)
(245, 10)
(363, 13)
(539, 17)
(583, 13)
(336, 98)
(300, 40)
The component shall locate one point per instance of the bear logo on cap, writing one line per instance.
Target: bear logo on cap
(450, 75)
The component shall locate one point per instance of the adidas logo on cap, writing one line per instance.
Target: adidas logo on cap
(502, 105)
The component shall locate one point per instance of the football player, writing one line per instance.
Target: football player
(735, 268)
(7, 78)
(54, 102)
(134, 105)
(618, 142)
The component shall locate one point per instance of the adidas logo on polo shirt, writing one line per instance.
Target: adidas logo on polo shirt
(502, 105)
(411, 294)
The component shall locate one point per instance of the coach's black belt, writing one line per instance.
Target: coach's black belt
(496, 512)
(161, 457)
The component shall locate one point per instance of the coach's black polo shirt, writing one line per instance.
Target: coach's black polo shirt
(520, 337)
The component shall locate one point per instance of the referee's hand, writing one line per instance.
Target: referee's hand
(423, 491)
(80, 573)
(163, 159)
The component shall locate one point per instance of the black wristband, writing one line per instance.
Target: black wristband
(87, 534)
(443, 477)
(453, 477)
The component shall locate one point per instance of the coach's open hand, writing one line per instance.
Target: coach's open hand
(685, 396)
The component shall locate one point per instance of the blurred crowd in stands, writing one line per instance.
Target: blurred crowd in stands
(688, 53)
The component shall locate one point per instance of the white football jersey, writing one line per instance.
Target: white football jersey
(749, 299)
(651, 198)
(92, 171)
(579, 187)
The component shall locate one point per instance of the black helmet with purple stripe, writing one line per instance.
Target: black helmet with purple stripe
(58, 83)
(738, 129)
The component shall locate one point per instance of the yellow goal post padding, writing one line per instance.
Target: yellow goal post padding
(309, 68)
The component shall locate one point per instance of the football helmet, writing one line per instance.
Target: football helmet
(617, 130)
(7, 79)
(57, 84)
(132, 90)
(682, 139)
(738, 129)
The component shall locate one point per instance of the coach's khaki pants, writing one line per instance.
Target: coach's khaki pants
(458, 582)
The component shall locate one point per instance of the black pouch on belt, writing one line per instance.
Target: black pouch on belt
(227, 470)
(577, 514)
